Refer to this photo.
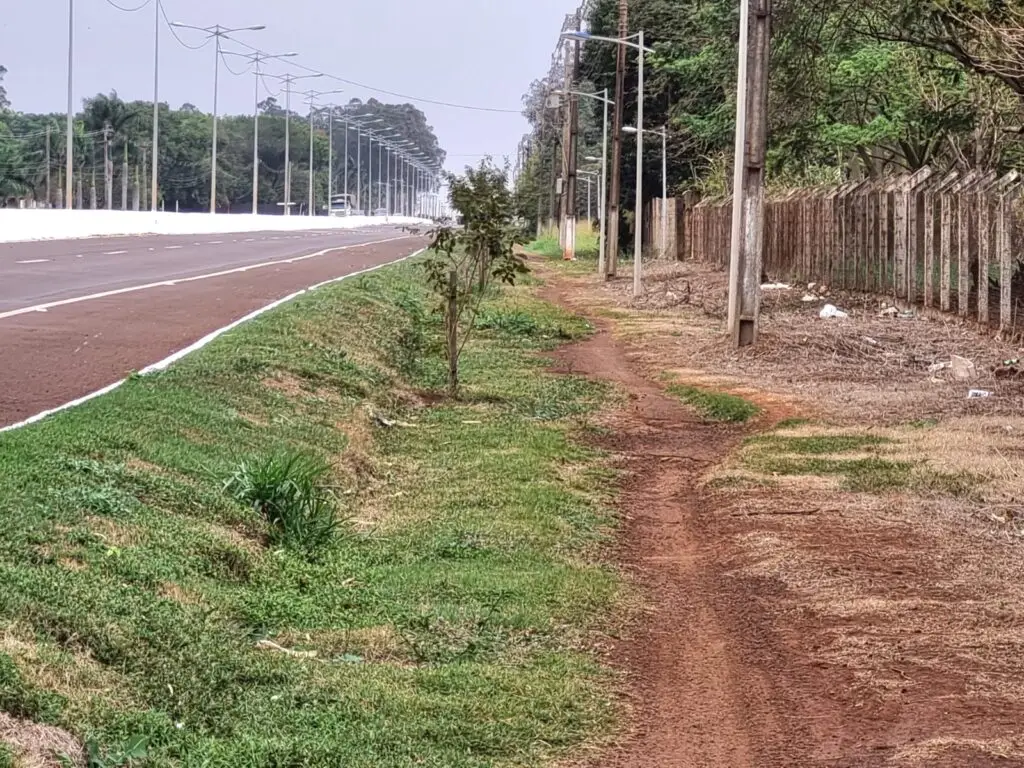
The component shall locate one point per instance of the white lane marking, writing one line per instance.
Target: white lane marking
(173, 247)
(78, 255)
(235, 270)
(32, 261)
(215, 242)
(249, 239)
(113, 253)
(175, 357)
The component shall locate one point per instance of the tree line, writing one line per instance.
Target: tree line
(112, 144)
(859, 89)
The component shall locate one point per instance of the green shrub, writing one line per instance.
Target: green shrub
(287, 490)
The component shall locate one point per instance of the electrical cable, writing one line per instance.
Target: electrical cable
(177, 37)
(128, 10)
(419, 99)
(228, 66)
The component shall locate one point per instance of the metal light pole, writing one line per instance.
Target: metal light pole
(154, 185)
(288, 80)
(359, 160)
(256, 59)
(638, 213)
(664, 191)
(217, 32)
(348, 208)
(70, 148)
(312, 176)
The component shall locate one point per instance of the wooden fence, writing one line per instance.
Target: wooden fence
(946, 242)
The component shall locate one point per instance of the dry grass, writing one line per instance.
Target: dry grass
(379, 644)
(912, 595)
(40, 746)
(844, 370)
(73, 674)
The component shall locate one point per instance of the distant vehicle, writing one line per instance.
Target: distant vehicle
(381, 212)
(341, 205)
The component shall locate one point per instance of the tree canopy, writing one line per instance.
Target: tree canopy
(185, 143)
(857, 89)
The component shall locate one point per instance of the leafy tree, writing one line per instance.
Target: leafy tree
(465, 262)
(4, 103)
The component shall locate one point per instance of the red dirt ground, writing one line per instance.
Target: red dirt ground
(728, 669)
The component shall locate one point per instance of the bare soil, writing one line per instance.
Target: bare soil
(789, 622)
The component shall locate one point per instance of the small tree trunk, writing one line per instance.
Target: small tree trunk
(482, 262)
(451, 323)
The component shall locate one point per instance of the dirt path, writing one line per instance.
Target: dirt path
(792, 619)
(722, 671)
(709, 688)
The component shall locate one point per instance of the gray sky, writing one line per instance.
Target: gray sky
(476, 52)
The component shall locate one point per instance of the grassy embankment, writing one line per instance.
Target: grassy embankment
(449, 623)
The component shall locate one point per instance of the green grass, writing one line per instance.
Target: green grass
(819, 444)
(821, 455)
(588, 242)
(449, 618)
(714, 405)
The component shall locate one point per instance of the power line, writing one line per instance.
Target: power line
(397, 95)
(175, 35)
(129, 10)
(228, 66)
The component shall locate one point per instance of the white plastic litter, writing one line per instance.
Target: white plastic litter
(830, 310)
(775, 287)
(963, 369)
(974, 394)
(809, 297)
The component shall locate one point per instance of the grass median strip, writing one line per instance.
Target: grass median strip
(447, 620)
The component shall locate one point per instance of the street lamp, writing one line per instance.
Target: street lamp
(380, 163)
(70, 148)
(664, 181)
(216, 32)
(288, 79)
(312, 95)
(641, 50)
(256, 59)
(360, 125)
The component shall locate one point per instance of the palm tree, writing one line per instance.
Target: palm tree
(111, 116)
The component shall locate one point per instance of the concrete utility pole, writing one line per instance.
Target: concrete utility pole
(566, 140)
(615, 191)
(572, 153)
(124, 180)
(108, 171)
(745, 258)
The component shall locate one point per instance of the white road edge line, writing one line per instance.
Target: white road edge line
(164, 364)
(147, 286)
(32, 261)
(113, 253)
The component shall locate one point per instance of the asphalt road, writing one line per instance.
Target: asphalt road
(45, 271)
(78, 315)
